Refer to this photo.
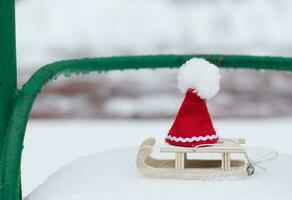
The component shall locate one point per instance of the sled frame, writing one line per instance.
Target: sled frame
(225, 151)
(16, 104)
(199, 168)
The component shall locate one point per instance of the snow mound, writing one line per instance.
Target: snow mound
(113, 175)
(200, 75)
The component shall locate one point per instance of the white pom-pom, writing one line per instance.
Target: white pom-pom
(200, 75)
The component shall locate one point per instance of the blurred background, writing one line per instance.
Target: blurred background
(93, 113)
(50, 30)
(81, 115)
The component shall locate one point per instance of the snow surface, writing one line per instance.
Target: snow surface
(200, 75)
(113, 175)
(50, 145)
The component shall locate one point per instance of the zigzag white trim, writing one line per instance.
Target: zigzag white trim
(192, 139)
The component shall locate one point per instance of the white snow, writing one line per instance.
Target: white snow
(200, 75)
(113, 175)
(50, 145)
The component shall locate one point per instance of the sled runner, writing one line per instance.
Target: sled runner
(201, 169)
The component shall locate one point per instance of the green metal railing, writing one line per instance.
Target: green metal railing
(15, 105)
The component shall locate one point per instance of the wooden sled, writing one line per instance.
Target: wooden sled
(199, 169)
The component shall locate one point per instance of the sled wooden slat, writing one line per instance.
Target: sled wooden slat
(237, 140)
(222, 149)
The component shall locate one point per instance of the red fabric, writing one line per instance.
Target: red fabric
(193, 119)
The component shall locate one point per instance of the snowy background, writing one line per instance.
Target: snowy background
(249, 104)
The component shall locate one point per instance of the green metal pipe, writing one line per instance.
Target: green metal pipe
(7, 67)
(7, 63)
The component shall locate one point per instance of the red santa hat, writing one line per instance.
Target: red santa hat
(193, 126)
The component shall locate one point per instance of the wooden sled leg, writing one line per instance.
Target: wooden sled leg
(225, 161)
(180, 160)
